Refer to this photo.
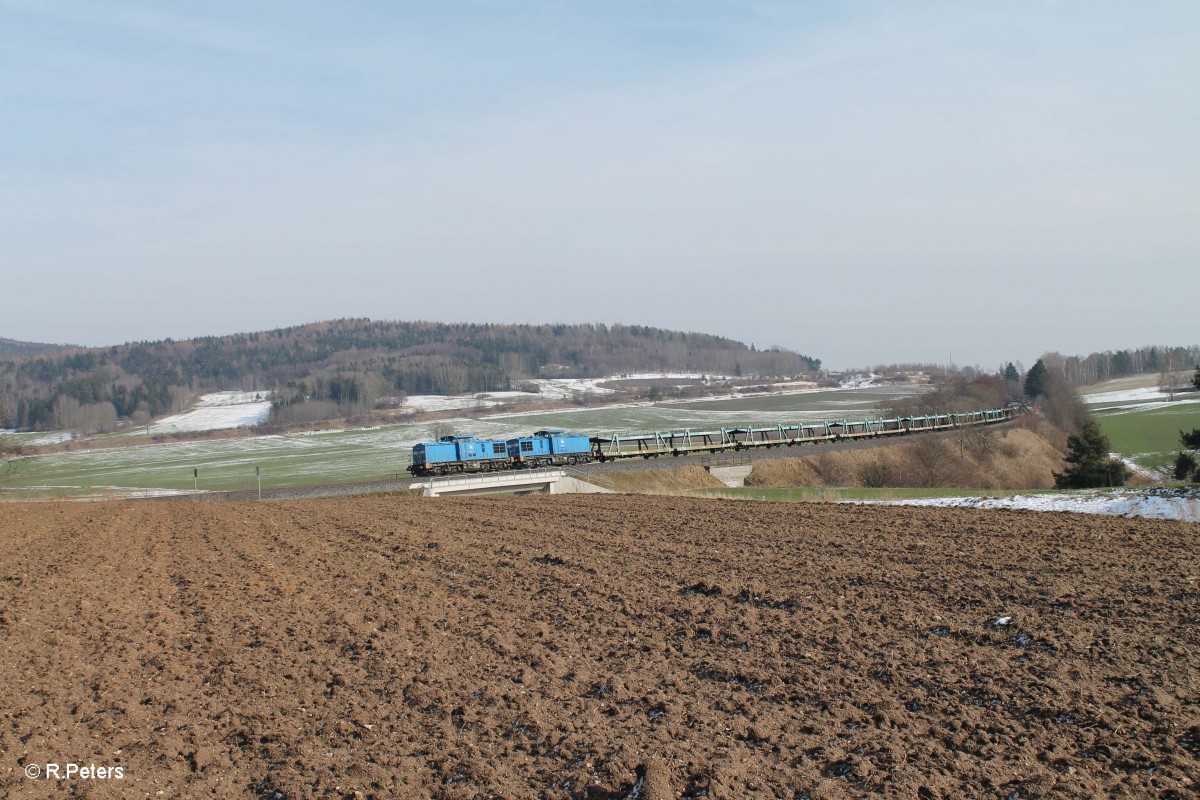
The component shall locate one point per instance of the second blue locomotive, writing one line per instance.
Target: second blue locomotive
(456, 454)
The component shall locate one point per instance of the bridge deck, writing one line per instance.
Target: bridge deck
(512, 482)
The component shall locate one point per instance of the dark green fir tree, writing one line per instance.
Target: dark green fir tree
(1089, 464)
(1035, 380)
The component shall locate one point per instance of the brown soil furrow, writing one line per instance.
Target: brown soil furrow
(551, 647)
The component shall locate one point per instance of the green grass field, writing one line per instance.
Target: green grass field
(223, 464)
(1150, 436)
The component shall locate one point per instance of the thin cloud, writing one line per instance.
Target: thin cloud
(151, 24)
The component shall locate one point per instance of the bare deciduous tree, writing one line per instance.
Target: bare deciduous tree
(877, 473)
(931, 461)
(10, 452)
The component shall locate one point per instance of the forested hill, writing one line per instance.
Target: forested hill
(355, 361)
(11, 348)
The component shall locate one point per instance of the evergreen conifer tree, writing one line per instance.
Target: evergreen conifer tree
(1186, 468)
(1035, 380)
(1011, 374)
(1088, 463)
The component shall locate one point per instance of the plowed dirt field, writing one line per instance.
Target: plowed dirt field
(595, 647)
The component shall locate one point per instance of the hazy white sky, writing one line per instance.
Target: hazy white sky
(862, 182)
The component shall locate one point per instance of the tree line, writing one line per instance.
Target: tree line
(1101, 366)
(354, 363)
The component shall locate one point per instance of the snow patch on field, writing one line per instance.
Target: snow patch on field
(106, 492)
(1145, 394)
(129, 494)
(217, 411)
(1137, 399)
(58, 437)
(1161, 405)
(1136, 468)
(1179, 504)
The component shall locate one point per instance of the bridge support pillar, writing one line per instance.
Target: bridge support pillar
(731, 476)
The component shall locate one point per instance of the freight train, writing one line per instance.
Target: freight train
(457, 454)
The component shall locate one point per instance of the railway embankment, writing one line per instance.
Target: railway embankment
(1010, 456)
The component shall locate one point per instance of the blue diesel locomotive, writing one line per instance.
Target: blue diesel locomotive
(550, 448)
(457, 454)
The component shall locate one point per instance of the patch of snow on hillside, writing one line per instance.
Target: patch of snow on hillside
(858, 381)
(441, 402)
(566, 388)
(1180, 504)
(548, 389)
(650, 376)
(569, 388)
(217, 411)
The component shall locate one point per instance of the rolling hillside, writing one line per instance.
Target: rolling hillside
(12, 348)
(349, 364)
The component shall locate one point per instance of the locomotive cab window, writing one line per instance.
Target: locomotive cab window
(498, 449)
(526, 447)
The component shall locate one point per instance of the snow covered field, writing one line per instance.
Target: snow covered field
(217, 411)
(1180, 504)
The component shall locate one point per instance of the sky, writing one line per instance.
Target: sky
(864, 182)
